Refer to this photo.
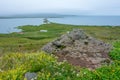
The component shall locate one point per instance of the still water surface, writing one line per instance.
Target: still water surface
(8, 25)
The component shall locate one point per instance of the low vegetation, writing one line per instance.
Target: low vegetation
(20, 53)
(31, 39)
(115, 53)
(13, 67)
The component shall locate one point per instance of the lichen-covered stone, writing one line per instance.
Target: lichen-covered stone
(77, 45)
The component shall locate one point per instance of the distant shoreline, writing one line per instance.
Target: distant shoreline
(37, 16)
(31, 17)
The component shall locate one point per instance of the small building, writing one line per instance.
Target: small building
(43, 30)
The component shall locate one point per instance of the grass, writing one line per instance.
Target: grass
(115, 53)
(21, 53)
(31, 39)
(14, 66)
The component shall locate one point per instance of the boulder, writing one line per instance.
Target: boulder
(30, 76)
(80, 49)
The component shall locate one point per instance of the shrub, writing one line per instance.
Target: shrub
(14, 66)
(115, 53)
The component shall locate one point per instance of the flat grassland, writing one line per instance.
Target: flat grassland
(31, 39)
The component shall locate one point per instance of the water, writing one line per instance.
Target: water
(8, 25)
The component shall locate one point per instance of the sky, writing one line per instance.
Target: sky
(79, 7)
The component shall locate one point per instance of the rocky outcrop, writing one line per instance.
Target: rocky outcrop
(79, 49)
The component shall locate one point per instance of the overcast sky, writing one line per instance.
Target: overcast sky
(90, 7)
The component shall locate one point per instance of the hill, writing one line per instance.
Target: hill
(41, 15)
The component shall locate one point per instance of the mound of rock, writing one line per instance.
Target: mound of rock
(79, 49)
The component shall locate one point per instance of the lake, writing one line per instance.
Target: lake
(8, 25)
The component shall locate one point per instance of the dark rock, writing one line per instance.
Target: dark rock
(31, 76)
(77, 45)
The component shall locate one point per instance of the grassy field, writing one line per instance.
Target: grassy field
(21, 53)
(31, 39)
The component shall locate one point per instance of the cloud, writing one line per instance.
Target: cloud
(29, 6)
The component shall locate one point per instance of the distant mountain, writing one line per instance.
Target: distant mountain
(43, 15)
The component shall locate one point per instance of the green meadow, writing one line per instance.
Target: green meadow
(20, 52)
